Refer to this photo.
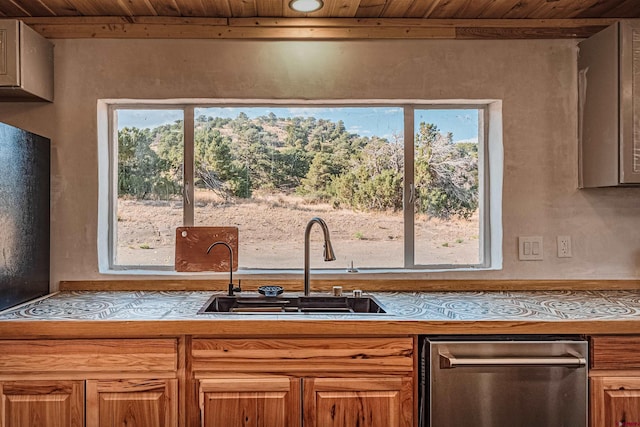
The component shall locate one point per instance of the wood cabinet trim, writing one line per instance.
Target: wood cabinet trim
(229, 327)
(390, 355)
(125, 355)
(222, 384)
(615, 352)
(355, 384)
(82, 375)
(371, 284)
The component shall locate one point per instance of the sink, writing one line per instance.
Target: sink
(292, 305)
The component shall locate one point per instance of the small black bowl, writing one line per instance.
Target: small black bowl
(270, 291)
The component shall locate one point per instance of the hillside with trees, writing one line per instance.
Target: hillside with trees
(315, 158)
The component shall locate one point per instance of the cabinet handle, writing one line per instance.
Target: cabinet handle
(449, 361)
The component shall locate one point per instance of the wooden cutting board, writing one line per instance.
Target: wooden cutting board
(192, 244)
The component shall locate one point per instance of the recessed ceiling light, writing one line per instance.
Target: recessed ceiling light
(306, 5)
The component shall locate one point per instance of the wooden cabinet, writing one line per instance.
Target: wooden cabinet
(366, 401)
(42, 403)
(326, 402)
(615, 401)
(136, 403)
(609, 106)
(332, 382)
(614, 381)
(128, 382)
(250, 402)
(208, 382)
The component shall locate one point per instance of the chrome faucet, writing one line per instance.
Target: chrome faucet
(232, 289)
(329, 255)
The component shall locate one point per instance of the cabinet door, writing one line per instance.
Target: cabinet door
(42, 403)
(132, 403)
(9, 53)
(615, 401)
(365, 402)
(250, 402)
(630, 102)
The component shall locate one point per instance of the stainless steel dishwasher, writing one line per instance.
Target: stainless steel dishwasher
(504, 382)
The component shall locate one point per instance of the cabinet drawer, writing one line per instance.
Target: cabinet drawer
(615, 352)
(135, 355)
(380, 355)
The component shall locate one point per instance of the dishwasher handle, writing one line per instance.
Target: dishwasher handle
(449, 361)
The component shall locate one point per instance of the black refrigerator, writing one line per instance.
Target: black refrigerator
(24, 215)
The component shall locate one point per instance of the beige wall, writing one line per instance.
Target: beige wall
(535, 79)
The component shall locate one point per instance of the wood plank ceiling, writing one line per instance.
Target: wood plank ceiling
(442, 9)
(365, 18)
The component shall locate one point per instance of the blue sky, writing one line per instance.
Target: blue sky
(384, 121)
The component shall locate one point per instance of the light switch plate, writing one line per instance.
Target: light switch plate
(530, 248)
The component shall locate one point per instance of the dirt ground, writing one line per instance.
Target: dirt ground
(271, 233)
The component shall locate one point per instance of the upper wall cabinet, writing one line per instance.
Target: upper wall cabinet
(609, 107)
(26, 63)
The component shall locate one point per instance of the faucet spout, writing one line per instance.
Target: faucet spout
(328, 254)
(232, 289)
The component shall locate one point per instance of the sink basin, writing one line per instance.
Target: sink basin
(292, 305)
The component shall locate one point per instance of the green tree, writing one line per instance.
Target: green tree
(169, 143)
(374, 180)
(321, 172)
(215, 167)
(142, 174)
(446, 174)
(297, 129)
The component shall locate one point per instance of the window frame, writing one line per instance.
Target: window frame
(490, 157)
(483, 182)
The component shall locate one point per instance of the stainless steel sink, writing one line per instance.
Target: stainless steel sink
(250, 304)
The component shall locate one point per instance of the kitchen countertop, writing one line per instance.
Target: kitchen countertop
(170, 313)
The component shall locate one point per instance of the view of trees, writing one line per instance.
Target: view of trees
(316, 158)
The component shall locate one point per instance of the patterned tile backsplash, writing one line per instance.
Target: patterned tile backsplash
(427, 306)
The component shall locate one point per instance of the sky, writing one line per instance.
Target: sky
(383, 121)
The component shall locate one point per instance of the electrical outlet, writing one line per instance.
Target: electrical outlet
(564, 247)
(530, 248)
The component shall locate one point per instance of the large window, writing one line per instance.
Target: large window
(402, 186)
